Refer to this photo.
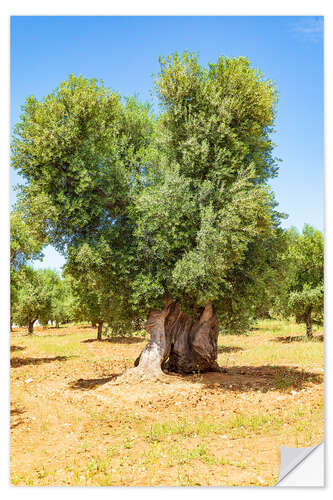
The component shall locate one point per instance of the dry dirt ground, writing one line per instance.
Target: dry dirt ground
(72, 425)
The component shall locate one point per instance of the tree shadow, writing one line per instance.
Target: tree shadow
(117, 340)
(43, 334)
(85, 327)
(16, 411)
(87, 384)
(259, 378)
(17, 362)
(15, 422)
(299, 338)
(16, 348)
(223, 349)
(53, 327)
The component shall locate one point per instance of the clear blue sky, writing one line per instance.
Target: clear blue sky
(124, 51)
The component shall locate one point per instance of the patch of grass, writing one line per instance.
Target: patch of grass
(259, 347)
(184, 479)
(20, 480)
(254, 423)
(97, 464)
(128, 443)
(160, 430)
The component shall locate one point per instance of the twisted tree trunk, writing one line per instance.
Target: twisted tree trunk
(179, 344)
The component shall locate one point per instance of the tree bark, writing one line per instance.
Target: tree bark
(99, 330)
(308, 322)
(179, 344)
(31, 326)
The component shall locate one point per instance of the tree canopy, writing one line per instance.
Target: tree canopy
(33, 300)
(179, 200)
(173, 207)
(87, 273)
(84, 150)
(302, 292)
(25, 242)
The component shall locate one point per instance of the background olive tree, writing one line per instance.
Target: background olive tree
(302, 289)
(26, 244)
(94, 299)
(33, 301)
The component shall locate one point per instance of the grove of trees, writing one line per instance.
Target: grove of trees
(168, 217)
(302, 291)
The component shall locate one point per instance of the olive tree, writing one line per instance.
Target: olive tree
(94, 298)
(26, 244)
(179, 202)
(58, 310)
(302, 290)
(34, 297)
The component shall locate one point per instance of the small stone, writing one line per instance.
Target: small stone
(28, 380)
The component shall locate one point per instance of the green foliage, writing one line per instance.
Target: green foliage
(58, 311)
(308, 298)
(84, 151)
(25, 242)
(302, 292)
(208, 230)
(217, 120)
(95, 297)
(147, 208)
(33, 299)
(38, 295)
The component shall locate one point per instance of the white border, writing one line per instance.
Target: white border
(142, 7)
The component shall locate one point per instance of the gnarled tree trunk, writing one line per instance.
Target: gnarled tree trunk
(179, 344)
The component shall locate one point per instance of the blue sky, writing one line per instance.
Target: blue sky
(124, 51)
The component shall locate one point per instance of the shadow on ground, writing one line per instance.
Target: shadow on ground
(17, 362)
(16, 420)
(299, 338)
(236, 379)
(222, 349)
(87, 384)
(117, 340)
(259, 378)
(16, 348)
(16, 411)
